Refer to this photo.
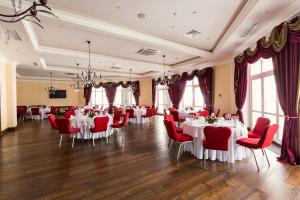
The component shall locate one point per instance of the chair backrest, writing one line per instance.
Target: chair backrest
(172, 109)
(101, 123)
(268, 135)
(63, 125)
(149, 112)
(261, 124)
(169, 129)
(117, 115)
(53, 110)
(125, 120)
(218, 112)
(21, 110)
(131, 112)
(175, 115)
(169, 117)
(203, 113)
(69, 114)
(52, 121)
(217, 138)
(35, 111)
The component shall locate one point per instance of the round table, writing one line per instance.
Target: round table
(195, 128)
(85, 123)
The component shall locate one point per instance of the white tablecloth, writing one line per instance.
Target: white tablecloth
(139, 112)
(85, 123)
(43, 112)
(195, 129)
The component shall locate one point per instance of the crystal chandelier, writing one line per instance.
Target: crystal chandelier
(89, 77)
(164, 79)
(131, 87)
(77, 85)
(29, 14)
(51, 89)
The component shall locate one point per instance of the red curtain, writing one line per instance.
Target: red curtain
(286, 72)
(206, 86)
(87, 92)
(110, 95)
(176, 91)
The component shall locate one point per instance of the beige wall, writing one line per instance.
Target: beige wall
(224, 91)
(8, 95)
(35, 93)
(146, 92)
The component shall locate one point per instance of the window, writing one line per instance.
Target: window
(192, 96)
(124, 97)
(162, 98)
(263, 96)
(98, 97)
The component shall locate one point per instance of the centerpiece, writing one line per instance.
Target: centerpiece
(91, 114)
(211, 119)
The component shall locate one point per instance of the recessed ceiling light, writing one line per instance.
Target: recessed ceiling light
(207, 39)
(172, 26)
(176, 58)
(118, 7)
(195, 12)
(141, 15)
(174, 13)
(60, 26)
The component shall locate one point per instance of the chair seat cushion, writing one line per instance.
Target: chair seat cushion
(179, 130)
(181, 120)
(249, 142)
(74, 130)
(116, 125)
(115, 121)
(184, 138)
(251, 134)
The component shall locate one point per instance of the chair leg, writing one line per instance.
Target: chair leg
(263, 153)
(204, 162)
(227, 155)
(179, 150)
(255, 159)
(93, 139)
(73, 141)
(266, 156)
(171, 144)
(61, 136)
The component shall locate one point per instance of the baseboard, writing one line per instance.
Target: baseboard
(5, 131)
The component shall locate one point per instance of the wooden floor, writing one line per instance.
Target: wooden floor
(141, 167)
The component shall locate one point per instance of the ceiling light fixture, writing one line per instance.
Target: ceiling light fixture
(77, 80)
(131, 87)
(165, 80)
(141, 15)
(89, 77)
(51, 89)
(29, 14)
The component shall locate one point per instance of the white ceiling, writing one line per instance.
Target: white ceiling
(117, 33)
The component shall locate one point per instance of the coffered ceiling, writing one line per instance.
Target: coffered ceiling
(118, 29)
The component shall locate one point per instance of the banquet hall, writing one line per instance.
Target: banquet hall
(134, 99)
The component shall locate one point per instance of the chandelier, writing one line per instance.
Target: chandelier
(51, 89)
(89, 77)
(131, 87)
(164, 79)
(77, 85)
(29, 14)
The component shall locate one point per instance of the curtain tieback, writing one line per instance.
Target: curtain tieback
(290, 117)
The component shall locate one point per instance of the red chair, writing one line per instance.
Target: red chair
(53, 111)
(261, 124)
(35, 113)
(203, 113)
(216, 138)
(263, 142)
(131, 114)
(22, 113)
(176, 117)
(121, 125)
(174, 136)
(172, 109)
(100, 126)
(69, 113)
(52, 122)
(64, 128)
(171, 118)
(117, 115)
(149, 114)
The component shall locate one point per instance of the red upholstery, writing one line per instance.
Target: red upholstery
(123, 123)
(21, 110)
(52, 122)
(149, 113)
(117, 115)
(131, 113)
(216, 138)
(264, 141)
(172, 109)
(35, 111)
(69, 114)
(170, 118)
(261, 124)
(172, 133)
(64, 126)
(100, 124)
(176, 116)
(203, 113)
